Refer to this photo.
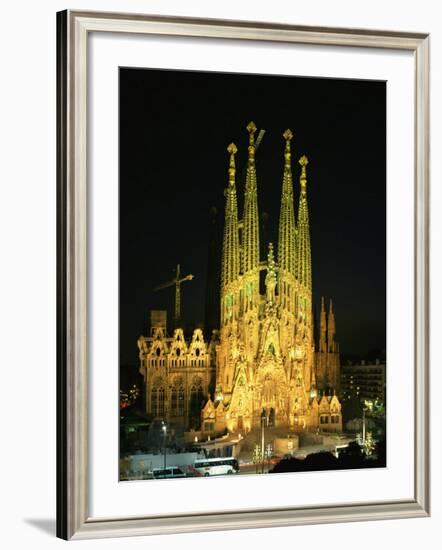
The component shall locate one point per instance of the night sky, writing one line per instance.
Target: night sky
(175, 127)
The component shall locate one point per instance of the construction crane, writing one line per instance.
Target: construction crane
(259, 138)
(177, 282)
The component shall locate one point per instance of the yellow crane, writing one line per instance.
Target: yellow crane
(177, 282)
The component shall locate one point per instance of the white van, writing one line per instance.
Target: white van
(168, 473)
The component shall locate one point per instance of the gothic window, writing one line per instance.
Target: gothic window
(161, 402)
(158, 352)
(174, 401)
(178, 351)
(196, 399)
(200, 397)
(180, 410)
(154, 401)
(157, 398)
(193, 400)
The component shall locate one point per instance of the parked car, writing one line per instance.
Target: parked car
(167, 473)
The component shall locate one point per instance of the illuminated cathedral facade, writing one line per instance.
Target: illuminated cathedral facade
(262, 363)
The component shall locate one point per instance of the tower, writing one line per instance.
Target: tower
(287, 251)
(304, 328)
(331, 329)
(287, 228)
(250, 241)
(322, 328)
(230, 256)
(249, 286)
(304, 261)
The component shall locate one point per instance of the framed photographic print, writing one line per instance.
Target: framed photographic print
(242, 275)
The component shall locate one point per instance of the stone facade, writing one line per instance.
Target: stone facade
(178, 375)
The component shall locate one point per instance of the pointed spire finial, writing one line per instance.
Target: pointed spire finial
(251, 128)
(287, 154)
(288, 135)
(331, 306)
(231, 149)
(322, 304)
(303, 161)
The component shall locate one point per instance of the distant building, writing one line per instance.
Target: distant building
(365, 379)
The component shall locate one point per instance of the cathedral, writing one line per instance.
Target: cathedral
(263, 361)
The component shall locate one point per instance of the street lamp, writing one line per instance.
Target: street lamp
(257, 456)
(164, 428)
(367, 406)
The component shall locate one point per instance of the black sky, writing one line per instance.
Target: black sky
(175, 127)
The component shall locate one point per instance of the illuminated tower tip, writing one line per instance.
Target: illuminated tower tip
(303, 161)
(251, 128)
(232, 149)
(288, 135)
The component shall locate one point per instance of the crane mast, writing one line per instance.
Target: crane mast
(177, 281)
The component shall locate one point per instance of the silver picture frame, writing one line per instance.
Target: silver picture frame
(73, 517)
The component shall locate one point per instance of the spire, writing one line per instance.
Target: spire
(331, 329)
(322, 328)
(287, 229)
(304, 266)
(230, 258)
(250, 239)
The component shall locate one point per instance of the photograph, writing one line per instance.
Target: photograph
(252, 274)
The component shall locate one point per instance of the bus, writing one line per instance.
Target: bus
(216, 466)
